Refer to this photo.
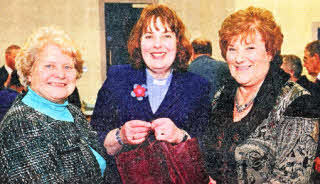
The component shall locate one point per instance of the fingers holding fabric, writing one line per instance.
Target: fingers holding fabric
(135, 131)
(166, 130)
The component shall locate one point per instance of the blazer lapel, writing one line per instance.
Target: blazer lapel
(173, 94)
(140, 107)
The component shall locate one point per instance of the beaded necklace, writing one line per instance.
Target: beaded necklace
(241, 108)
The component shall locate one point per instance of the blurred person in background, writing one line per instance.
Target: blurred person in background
(9, 66)
(204, 65)
(291, 64)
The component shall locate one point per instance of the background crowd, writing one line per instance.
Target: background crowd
(255, 117)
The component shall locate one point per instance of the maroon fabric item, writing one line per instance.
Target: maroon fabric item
(163, 163)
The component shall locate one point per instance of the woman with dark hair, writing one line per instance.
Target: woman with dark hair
(259, 130)
(155, 93)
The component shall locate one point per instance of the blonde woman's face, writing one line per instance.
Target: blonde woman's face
(53, 75)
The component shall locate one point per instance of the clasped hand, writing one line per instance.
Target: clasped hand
(136, 131)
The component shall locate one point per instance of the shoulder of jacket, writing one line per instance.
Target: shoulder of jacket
(293, 90)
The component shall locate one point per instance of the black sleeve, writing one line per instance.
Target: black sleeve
(304, 106)
(74, 98)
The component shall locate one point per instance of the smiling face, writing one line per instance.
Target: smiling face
(53, 75)
(248, 60)
(158, 48)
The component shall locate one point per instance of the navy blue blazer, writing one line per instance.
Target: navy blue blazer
(186, 103)
(3, 76)
(7, 97)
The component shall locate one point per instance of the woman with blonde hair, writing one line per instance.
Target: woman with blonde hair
(44, 139)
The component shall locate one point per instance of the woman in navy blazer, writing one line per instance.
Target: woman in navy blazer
(154, 93)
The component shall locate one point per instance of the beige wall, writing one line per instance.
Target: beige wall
(82, 20)
(79, 18)
(202, 18)
(294, 17)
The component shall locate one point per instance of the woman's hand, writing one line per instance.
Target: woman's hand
(134, 131)
(166, 130)
(211, 181)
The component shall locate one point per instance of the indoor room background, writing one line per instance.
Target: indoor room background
(84, 21)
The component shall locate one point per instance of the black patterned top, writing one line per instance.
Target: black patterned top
(35, 148)
(276, 141)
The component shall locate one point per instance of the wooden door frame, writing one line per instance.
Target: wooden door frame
(102, 29)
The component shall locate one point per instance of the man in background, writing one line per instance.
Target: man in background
(9, 66)
(203, 64)
(291, 64)
(312, 64)
(10, 86)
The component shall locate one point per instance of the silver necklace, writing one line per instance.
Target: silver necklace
(241, 108)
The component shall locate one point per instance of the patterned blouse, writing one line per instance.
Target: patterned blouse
(276, 141)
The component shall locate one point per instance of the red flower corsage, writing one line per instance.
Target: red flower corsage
(317, 164)
(139, 91)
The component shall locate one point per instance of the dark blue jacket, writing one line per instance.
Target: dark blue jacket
(3, 76)
(7, 96)
(216, 72)
(186, 103)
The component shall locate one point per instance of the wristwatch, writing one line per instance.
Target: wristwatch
(185, 137)
(118, 138)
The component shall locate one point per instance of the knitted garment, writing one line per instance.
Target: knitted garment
(57, 112)
(35, 148)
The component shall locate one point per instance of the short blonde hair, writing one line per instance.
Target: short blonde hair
(36, 43)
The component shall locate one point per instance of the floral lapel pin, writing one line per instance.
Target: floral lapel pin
(139, 91)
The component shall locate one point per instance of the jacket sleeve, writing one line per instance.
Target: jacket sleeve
(296, 149)
(200, 116)
(105, 115)
(26, 155)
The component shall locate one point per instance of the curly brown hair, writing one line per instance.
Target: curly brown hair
(167, 17)
(246, 23)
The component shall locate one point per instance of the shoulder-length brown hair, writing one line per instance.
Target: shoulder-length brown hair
(167, 17)
(246, 23)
